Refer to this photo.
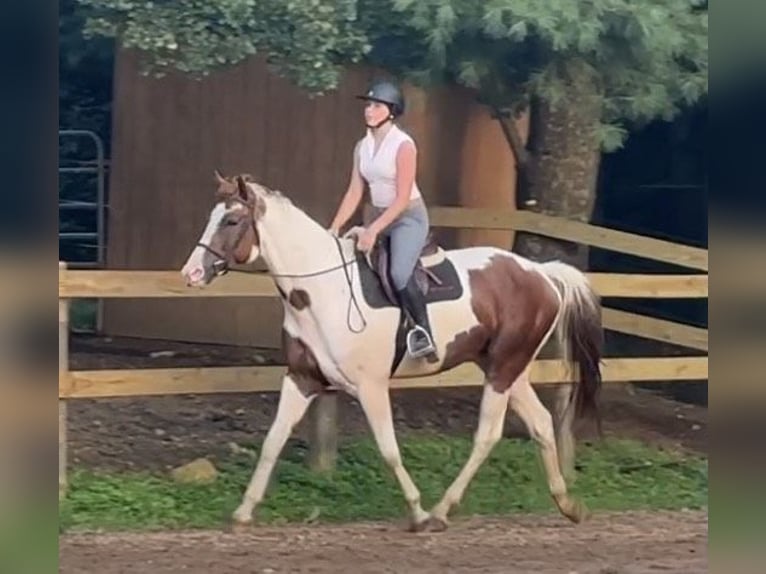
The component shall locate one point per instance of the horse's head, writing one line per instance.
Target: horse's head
(231, 235)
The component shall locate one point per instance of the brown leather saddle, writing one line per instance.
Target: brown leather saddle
(434, 273)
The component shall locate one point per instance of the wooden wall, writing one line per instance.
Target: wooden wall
(170, 133)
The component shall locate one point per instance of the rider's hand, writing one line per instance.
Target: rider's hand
(366, 240)
(354, 232)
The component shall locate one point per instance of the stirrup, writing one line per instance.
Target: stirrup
(412, 341)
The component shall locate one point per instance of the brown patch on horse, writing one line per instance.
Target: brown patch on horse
(299, 298)
(245, 243)
(235, 190)
(302, 365)
(238, 234)
(468, 346)
(516, 308)
(255, 204)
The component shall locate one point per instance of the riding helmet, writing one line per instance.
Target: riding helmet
(388, 93)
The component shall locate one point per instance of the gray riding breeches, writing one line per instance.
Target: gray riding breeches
(408, 235)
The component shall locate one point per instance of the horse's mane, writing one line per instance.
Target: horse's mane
(268, 192)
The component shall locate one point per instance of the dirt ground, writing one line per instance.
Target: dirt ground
(626, 543)
(156, 433)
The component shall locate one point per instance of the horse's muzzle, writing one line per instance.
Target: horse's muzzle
(220, 267)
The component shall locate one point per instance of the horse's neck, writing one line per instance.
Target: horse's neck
(294, 244)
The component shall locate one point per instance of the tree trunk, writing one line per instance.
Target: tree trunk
(559, 178)
(561, 171)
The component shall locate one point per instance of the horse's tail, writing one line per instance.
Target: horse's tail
(580, 334)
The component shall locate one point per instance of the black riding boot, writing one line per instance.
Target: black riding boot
(419, 339)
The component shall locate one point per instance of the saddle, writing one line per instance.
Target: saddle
(434, 274)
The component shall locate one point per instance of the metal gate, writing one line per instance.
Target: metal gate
(82, 208)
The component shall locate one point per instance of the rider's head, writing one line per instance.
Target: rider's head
(385, 102)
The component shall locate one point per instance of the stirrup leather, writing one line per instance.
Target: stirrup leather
(412, 341)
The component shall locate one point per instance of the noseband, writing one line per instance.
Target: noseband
(220, 266)
(221, 262)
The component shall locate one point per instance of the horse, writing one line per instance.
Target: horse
(487, 306)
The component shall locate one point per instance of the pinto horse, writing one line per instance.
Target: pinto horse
(486, 305)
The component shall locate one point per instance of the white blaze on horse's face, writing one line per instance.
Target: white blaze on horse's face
(229, 237)
(198, 269)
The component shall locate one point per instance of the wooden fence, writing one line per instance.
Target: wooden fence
(167, 284)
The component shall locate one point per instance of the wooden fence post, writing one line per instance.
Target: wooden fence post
(63, 375)
(323, 438)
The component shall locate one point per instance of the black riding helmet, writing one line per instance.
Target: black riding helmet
(386, 93)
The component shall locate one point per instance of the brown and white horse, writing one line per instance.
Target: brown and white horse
(506, 309)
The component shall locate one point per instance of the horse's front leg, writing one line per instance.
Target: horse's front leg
(376, 403)
(294, 399)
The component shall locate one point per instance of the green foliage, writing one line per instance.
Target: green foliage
(615, 475)
(640, 60)
(83, 313)
(85, 78)
(306, 40)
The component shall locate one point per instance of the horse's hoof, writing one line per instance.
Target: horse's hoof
(418, 526)
(240, 523)
(575, 510)
(436, 524)
(240, 526)
(581, 513)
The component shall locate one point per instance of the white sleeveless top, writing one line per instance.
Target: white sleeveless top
(379, 168)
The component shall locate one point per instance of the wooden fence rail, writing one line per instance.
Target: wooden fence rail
(559, 228)
(207, 380)
(110, 284)
(102, 284)
(168, 284)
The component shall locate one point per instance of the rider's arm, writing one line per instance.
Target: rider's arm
(351, 198)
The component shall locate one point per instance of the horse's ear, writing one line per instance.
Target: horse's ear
(242, 188)
(219, 178)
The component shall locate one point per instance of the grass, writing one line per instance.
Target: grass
(614, 475)
(28, 541)
(82, 314)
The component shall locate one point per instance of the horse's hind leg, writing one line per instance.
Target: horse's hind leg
(494, 404)
(293, 402)
(563, 421)
(376, 404)
(539, 422)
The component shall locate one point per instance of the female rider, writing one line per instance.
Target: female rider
(386, 159)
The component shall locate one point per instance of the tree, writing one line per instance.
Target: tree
(85, 72)
(585, 70)
(307, 41)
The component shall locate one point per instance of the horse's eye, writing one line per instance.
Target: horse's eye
(231, 222)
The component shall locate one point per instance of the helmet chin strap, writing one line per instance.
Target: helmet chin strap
(381, 122)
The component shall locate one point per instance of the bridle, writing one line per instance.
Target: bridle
(221, 262)
(221, 267)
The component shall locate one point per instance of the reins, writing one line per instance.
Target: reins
(344, 265)
(349, 281)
